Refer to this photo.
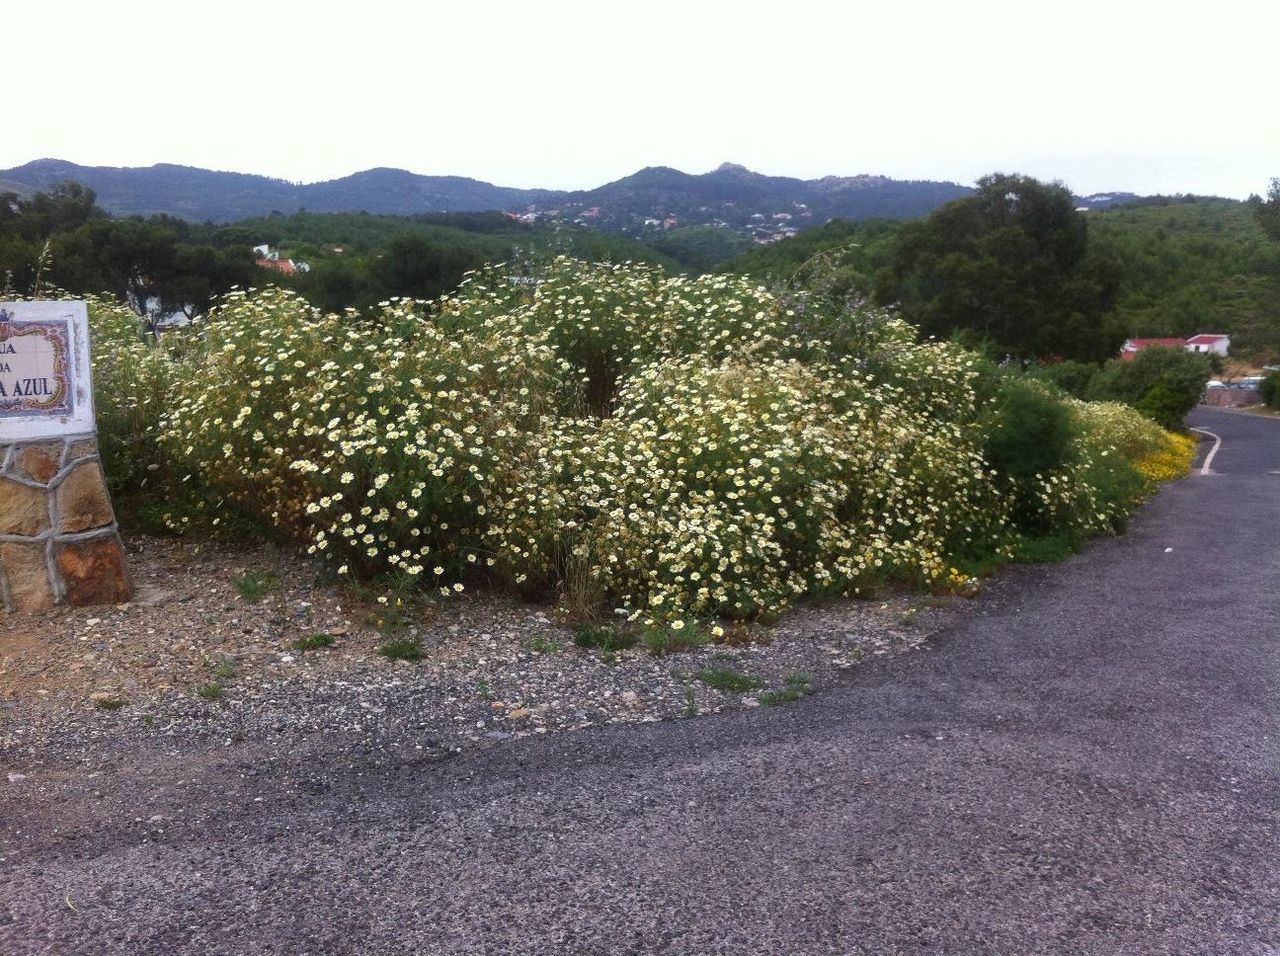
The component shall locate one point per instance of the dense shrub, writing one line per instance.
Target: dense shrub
(733, 489)
(376, 443)
(132, 382)
(1169, 380)
(1030, 435)
(1074, 378)
(664, 447)
(1163, 405)
(1269, 389)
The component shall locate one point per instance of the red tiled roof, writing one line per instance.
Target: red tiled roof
(1146, 343)
(1206, 339)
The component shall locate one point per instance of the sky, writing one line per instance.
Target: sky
(1143, 97)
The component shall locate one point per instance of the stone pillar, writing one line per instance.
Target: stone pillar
(59, 542)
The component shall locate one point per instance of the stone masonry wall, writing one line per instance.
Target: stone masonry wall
(1232, 397)
(59, 543)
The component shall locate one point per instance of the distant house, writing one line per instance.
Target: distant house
(286, 266)
(1203, 344)
(1132, 347)
(268, 258)
(1217, 344)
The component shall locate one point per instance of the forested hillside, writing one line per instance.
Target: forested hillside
(1199, 266)
(1179, 266)
(358, 260)
(979, 266)
(730, 196)
(61, 239)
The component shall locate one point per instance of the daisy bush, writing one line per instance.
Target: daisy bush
(133, 376)
(377, 444)
(734, 489)
(666, 448)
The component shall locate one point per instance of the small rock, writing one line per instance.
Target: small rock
(15, 777)
(498, 735)
(149, 596)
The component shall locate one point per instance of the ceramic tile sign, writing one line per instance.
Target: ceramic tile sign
(46, 388)
(59, 543)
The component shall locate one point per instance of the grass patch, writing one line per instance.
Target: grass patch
(690, 703)
(223, 671)
(980, 565)
(662, 641)
(395, 603)
(392, 618)
(313, 642)
(254, 585)
(401, 649)
(108, 701)
(728, 680)
(604, 638)
(210, 691)
(793, 688)
(542, 644)
(1049, 549)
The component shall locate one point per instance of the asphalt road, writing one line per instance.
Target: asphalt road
(1084, 762)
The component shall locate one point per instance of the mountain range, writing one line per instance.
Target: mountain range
(656, 197)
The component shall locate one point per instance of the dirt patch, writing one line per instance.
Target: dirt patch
(220, 643)
(186, 618)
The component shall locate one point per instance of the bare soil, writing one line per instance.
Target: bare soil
(197, 646)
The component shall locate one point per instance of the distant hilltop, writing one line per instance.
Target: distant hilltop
(656, 198)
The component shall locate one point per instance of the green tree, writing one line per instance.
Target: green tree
(1030, 434)
(1164, 383)
(1267, 211)
(1073, 378)
(418, 267)
(1163, 406)
(1269, 389)
(701, 248)
(1012, 264)
(158, 264)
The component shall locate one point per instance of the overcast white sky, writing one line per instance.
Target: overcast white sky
(1148, 97)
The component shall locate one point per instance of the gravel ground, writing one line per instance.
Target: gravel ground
(1083, 761)
(494, 669)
